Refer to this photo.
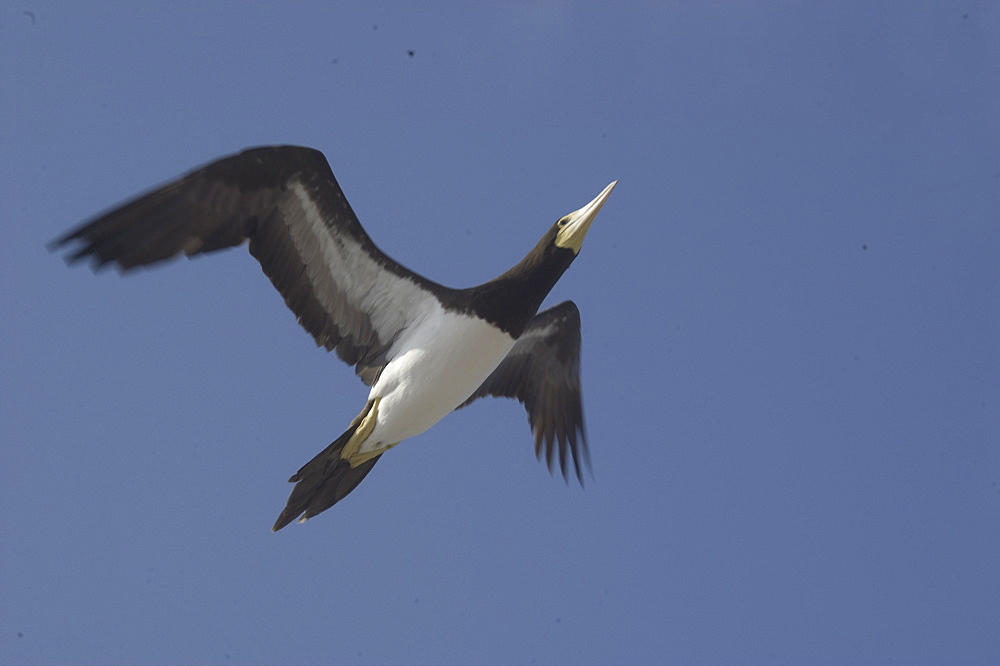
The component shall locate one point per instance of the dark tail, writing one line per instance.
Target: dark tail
(323, 481)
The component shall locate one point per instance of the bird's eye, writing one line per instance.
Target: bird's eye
(562, 222)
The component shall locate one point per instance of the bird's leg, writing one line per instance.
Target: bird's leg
(365, 424)
(365, 456)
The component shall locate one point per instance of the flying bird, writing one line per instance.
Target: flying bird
(423, 348)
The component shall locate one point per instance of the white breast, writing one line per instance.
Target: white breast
(440, 361)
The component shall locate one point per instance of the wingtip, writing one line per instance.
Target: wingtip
(62, 239)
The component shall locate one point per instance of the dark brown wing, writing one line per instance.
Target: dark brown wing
(344, 291)
(542, 371)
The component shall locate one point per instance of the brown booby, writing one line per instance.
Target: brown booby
(423, 348)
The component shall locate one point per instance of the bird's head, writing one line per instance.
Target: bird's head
(571, 229)
(524, 287)
(561, 243)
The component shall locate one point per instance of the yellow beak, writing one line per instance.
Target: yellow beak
(573, 227)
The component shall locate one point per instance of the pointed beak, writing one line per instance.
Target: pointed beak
(575, 225)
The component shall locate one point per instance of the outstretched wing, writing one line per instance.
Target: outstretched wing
(286, 202)
(542, 371)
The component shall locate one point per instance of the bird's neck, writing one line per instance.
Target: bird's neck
(512, 299)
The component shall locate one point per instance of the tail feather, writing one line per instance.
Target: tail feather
(323, 481)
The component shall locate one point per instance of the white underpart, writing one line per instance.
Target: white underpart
(436, 366)
(439, 358)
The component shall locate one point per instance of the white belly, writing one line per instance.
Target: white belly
(441, 361)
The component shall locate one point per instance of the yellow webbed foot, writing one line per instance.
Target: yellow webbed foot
(364, 424)
(364, 456)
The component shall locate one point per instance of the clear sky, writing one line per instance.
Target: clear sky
(791, 354)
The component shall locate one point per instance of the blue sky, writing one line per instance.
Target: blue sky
(790, 324)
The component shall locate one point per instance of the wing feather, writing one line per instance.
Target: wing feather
(542, 371)
(286, 202)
